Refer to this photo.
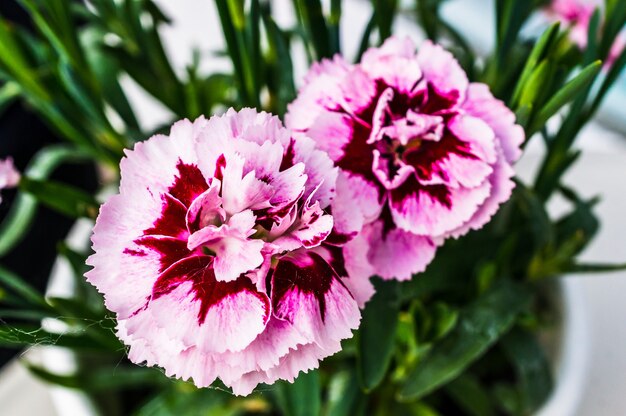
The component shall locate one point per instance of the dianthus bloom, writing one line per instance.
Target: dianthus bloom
(424, 154)
(577, 14)
(9, 176)
(213, 257)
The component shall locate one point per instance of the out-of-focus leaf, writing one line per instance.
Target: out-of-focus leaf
(66, 199)
(303, 397)
(184, 399)
(345, 398)
(105, 379)
(531, 367)
(594, 268)
(537, 86)
(19, 336)
(377, 335)
(8, 93)
(470, 395)
(537, 54)
(569, 92)
(312, 19)
(479, 327)
(17, 221)
(18, 285)
(385, 11)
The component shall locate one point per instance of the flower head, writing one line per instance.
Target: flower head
(423, 154)
(213, 257)
(577, 14)
(9, 176)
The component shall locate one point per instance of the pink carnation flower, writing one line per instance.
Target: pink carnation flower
(424, 154)
(9, 176)
(213, 256)
(577, 14)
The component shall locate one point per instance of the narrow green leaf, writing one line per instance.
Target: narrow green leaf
(537, 85)
(106, 379)
(376, 337)
(23, 209)
(9, 92)
(531, 367)
(15, 283)
(544, 43)
(303, 397)
(312, 19)
(344, 394)
(18, 336)
(570, 91)
(66, 199)
(595, 268)
(479, 327)
(470, 395)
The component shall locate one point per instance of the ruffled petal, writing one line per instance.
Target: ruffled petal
(397, 254)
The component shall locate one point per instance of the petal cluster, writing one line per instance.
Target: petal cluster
(423, 154)
(214, 254)
(9, 175)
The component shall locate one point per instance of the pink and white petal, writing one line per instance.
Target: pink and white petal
(394, 63)
(318, 167)
(477, 134)
(359, 268)
(241, 192)
(357, 203)
(192, 306)
(433, 211)
(206, 209)
(153, 164)
(9, 175)
(122, 270)
(332, 132)
(321, 91)
(458, 171)
(288, 186)
(397, 254)
(502, 187)
(480, 103)
(307, 292)
(390, 180)
(440, 68)
(264, 159)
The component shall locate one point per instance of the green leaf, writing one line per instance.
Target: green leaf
(303, 397)
(23, 209)
(345, 398)
(184, 399)
(9, 92)
(316, 29)
(531, 367)
(470, 395)
(479, 327)
(66, 199)
(18, 336)
(376, 337)
(569, 92)
(384, 11)
(543, 44)
(537, 85)
(105, 379)
(18, 285)
(594, 268)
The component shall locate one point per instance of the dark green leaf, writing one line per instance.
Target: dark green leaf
(18, 285)
(345, 397)
(569, 92)
(470, 395)
(303, 397)
(479, 327)
(377, 335)
(68, 200)
(531, 367)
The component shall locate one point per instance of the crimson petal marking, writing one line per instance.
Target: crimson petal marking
(188, 184)
(170, 249)
(171, 223)
(207, 290)
(308, 274)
